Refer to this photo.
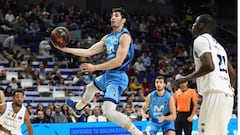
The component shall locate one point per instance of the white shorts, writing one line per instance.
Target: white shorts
(215, 113)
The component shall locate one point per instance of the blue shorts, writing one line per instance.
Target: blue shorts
(112, 83)
(153, 127)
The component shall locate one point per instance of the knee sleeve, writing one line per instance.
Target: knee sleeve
(108, 107)
(109, 110)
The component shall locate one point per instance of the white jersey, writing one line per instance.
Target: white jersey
(217, 80)
(11, 120)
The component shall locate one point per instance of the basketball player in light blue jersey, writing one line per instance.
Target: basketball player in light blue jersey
(120, 51)
(162, 109)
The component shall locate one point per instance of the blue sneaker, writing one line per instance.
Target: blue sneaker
(72, 105)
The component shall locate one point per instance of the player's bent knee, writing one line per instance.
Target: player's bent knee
(108, 108)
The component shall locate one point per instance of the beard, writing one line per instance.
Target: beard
(18, 104)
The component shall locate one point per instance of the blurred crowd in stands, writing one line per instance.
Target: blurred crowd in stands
(162, 47)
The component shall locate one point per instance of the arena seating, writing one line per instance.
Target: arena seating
(10, 75)
(41, 58)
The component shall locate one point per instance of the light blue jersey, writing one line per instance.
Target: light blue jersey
(113, 82)
(112, 43)
(158, 107)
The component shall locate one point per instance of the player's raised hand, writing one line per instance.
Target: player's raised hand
(179, 79)
(58, 47)
(60, 37)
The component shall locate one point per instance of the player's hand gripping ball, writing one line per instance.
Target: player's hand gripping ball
(60, 36)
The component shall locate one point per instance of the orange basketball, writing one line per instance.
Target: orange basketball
(61, 36)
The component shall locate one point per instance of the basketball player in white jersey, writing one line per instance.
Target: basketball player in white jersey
(214, 77)
(14, 115)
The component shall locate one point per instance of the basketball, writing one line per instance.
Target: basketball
(60, 36)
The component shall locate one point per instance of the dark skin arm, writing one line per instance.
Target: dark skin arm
(206, 67)
(5, 130)
(28, 123)
(2, 109)
(232, 73)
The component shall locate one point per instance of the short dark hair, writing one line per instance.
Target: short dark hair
(160, 77)
(18, 90)
(122, 11)
(209, 22)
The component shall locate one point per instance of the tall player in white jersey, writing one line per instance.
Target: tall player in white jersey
(214, 76)
(14, 115)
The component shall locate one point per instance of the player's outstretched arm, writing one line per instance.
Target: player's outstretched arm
(94, 49)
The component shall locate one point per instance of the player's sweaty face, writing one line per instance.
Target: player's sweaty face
(116, 19)
(195, 29)
(18, 98)
(159, 84)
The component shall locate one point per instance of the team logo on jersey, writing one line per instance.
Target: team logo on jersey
(20, 118)
(14, 115)
(114, 93)
(115, 41)
(110, 49)
(158, 108)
